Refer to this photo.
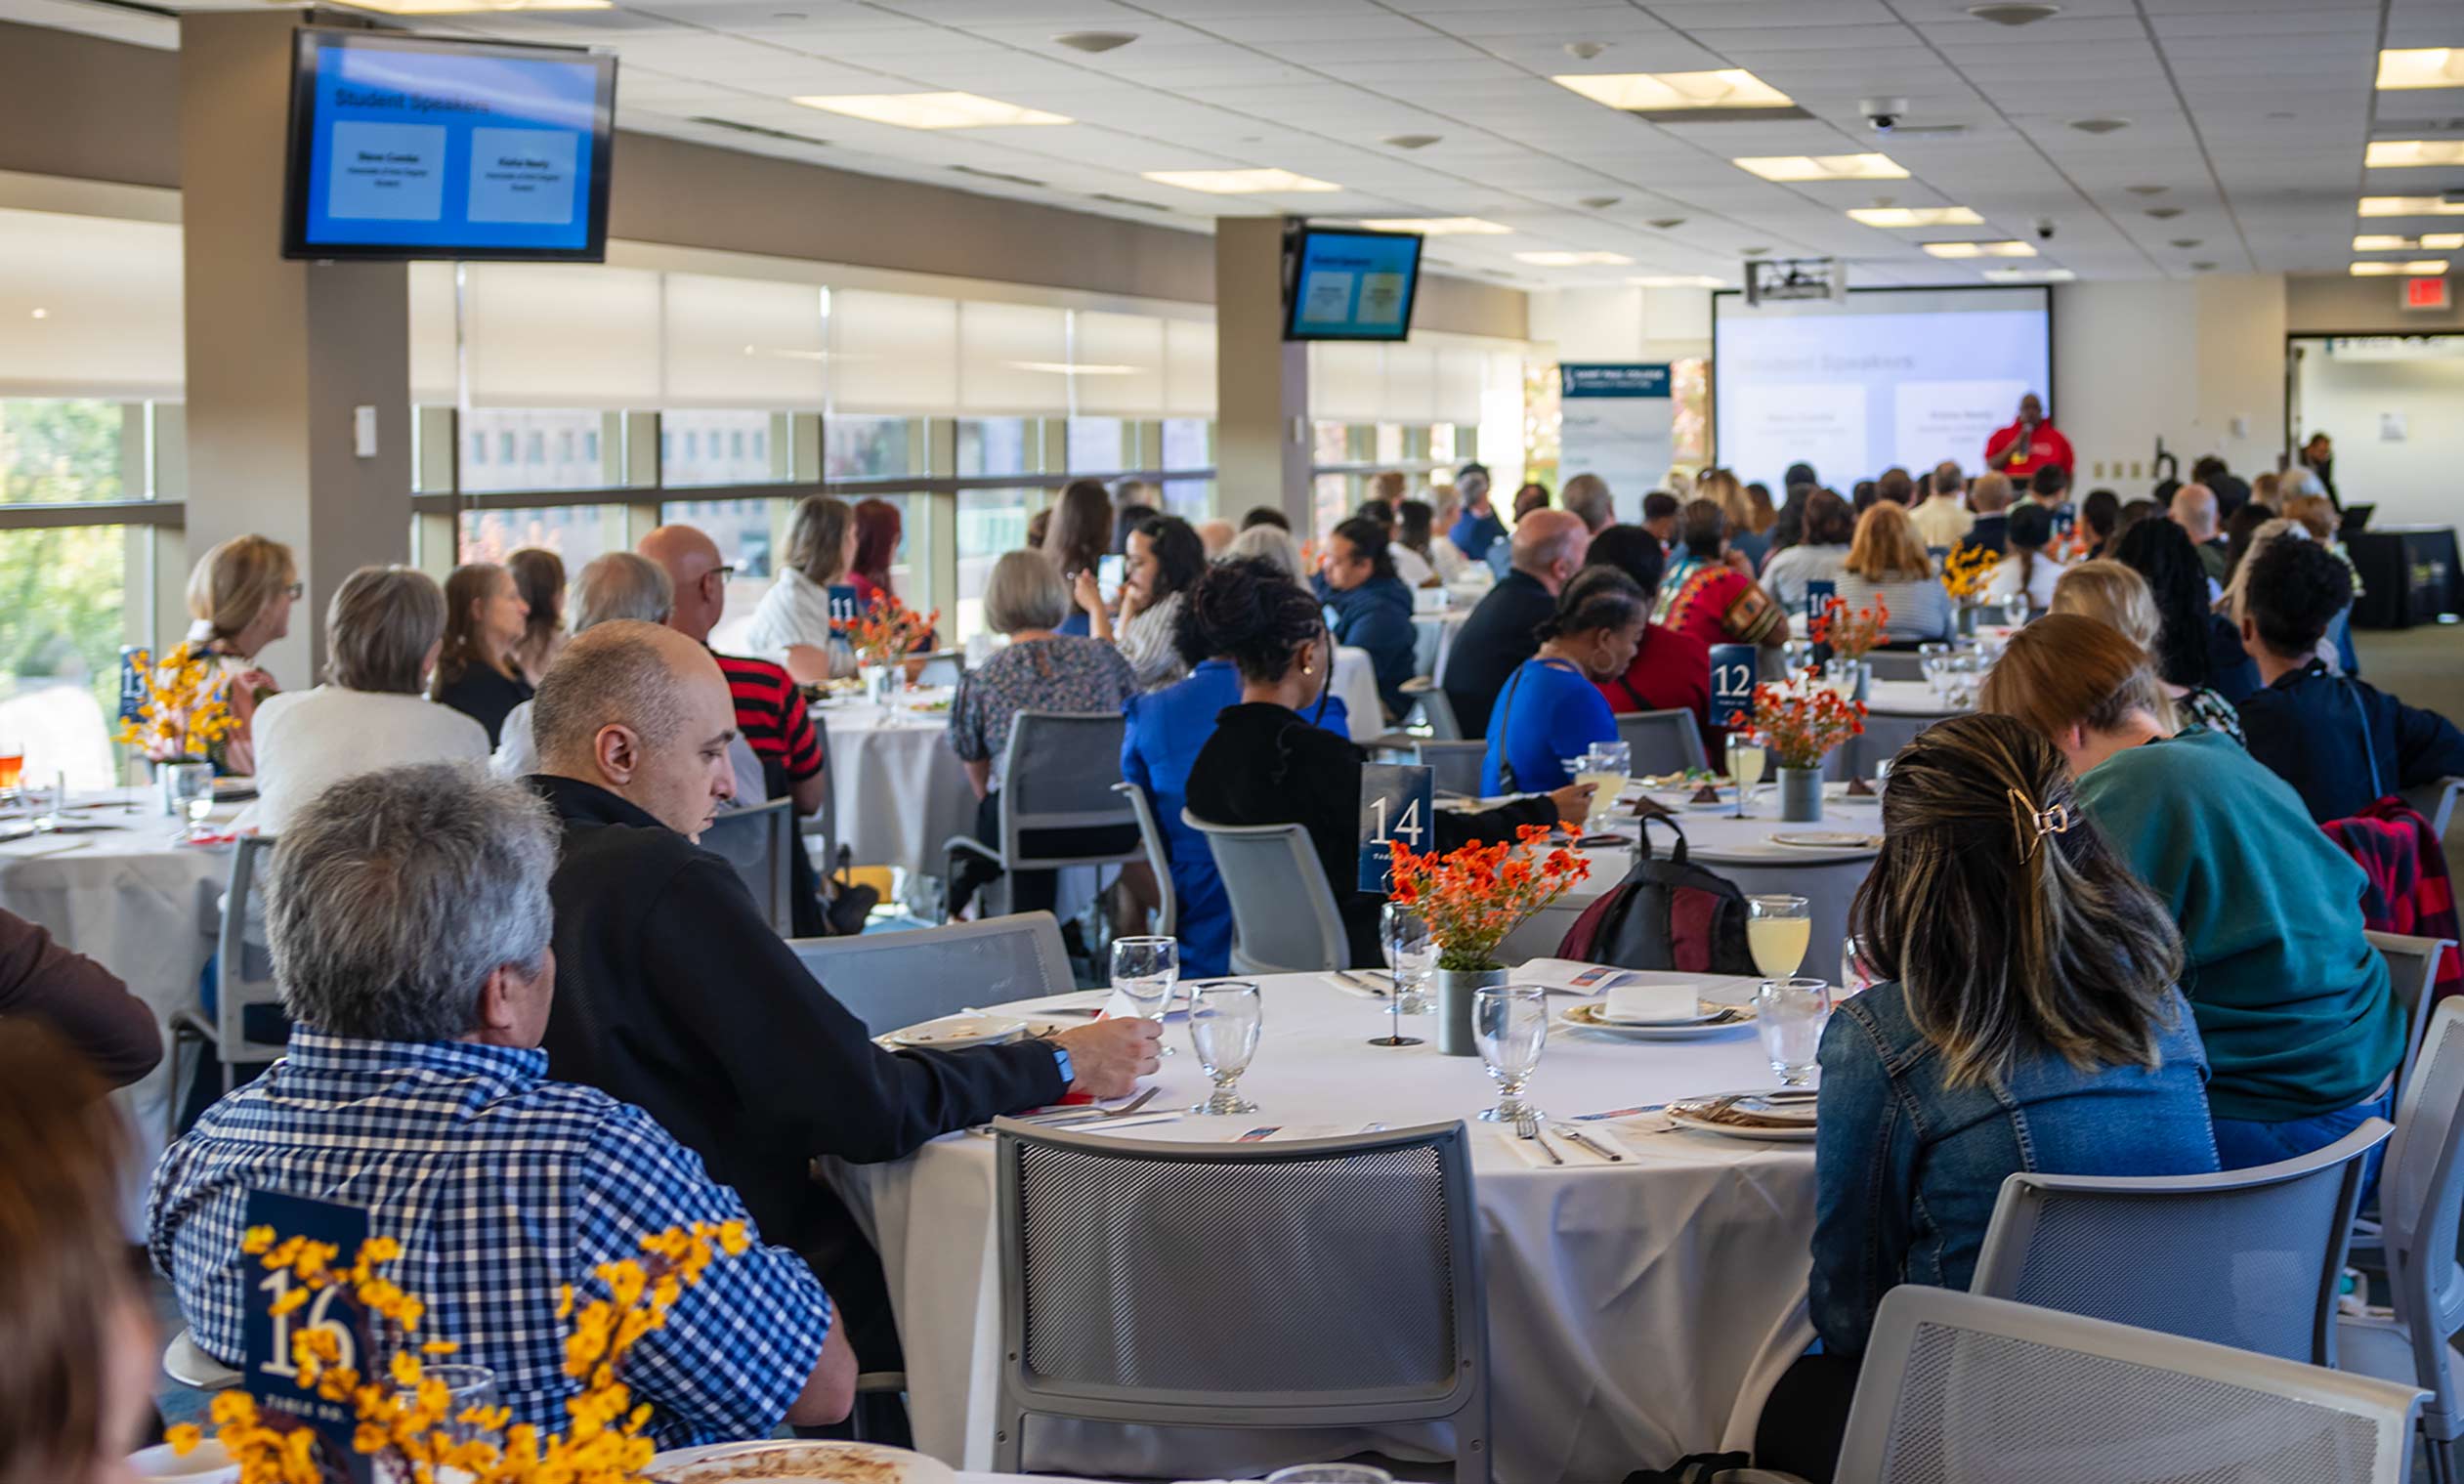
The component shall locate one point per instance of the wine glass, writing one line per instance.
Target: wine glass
(1788, 1014)
(44, 800)
(1143, 972)
(1744, 764)
(466, 1387)
(1777, 932)
(191, 788)
(1410, 958)
(1225, 1017)
(1510, 1022)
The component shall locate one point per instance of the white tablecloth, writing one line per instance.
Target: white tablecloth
(1636, 1312)
(140, 906)
(1355, 684)
(896, 788)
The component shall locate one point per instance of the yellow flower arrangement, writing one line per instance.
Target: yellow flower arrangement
(187, 708)
(405, 1416)
(1967, 572)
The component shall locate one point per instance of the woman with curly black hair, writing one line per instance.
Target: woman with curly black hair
(1165, 559)
(1267, 764)
(2195, 646)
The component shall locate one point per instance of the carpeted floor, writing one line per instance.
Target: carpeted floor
(2424, 665)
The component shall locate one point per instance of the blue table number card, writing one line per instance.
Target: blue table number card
(844, 610)
(1732, 677)
(132, 684)
(1818, 596)
(270, 1374)
(1396, 802)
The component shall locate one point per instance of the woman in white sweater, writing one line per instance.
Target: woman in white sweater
(792, 623)
(383, 630)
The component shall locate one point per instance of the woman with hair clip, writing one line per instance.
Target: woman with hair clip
(2027, 1021)
(1550, 708)
(2292, 999)
(1268, 763)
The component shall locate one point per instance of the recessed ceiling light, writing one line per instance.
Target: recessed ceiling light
(2186, 243)
(1678, 280)
(1412, 140)
(931, 111)
(2147, 190)
(2031, 275)
(2411, 206)
(1438, 227)
(1573, 259)
(1095, 41)
(2098, 125)
(42, 314)
(1239, 182)
(2164, 213)
(2418, 268)
(1076, 368)
(2013, 15)
(1666, 223)
(474, 7)
(2013, 248)
(2412, 153)
(2427, 241)
(1822, 167)
(1914, 216)
(2428, 66)
(1686, 97)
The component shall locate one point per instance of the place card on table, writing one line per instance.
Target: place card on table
(1572, 974)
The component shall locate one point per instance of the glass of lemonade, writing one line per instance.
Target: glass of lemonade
(1779, 929)
(1605, 767)
(1745, 765)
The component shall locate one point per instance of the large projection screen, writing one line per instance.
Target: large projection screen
(1893, 376)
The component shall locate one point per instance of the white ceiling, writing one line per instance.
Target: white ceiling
(2251, 114)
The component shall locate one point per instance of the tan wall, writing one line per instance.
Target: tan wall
(2321, 305)
(81, 107)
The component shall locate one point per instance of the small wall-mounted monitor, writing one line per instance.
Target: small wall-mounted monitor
(1350, 284)
(409, 146)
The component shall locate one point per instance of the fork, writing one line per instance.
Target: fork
(1091, 1115)
(1528, 1126)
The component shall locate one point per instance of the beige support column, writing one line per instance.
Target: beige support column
(1261, 382)
(280, 352)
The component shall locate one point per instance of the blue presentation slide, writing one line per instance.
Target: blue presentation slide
(434, 150)
(1354, 286)
(1906, 377)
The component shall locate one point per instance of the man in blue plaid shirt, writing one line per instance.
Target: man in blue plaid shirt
(409, 919)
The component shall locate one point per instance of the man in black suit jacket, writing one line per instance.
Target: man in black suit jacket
(675, 994)
(1549, 550)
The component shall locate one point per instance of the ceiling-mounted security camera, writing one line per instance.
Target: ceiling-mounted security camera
(2044, 229)
(1883, 115)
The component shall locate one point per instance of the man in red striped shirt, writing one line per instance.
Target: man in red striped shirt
(770, 709)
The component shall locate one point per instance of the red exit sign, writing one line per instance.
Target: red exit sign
(2424, 293)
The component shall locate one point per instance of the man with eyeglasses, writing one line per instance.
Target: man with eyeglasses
(770, 710)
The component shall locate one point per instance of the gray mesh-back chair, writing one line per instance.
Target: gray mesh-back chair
(941, 667)
(761, 843)
(2248, 1258)
(1159, 856)
(1435, 709)
(1283, 918)
(1962, 1389)
(2412, 971)
(1661, 741)
(897, 979)
(1454, 767)
(1057, 772)
(243, 977)
(1321, 1283)
(2436, 801)
(2420, 1198)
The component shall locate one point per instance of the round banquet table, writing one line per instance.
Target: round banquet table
(142, 905)
(1743, 851)
(896, 791)
(1637, 1311)
(1896, 711)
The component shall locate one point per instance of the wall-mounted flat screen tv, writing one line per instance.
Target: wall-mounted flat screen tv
(411, 147)
(1349, 284)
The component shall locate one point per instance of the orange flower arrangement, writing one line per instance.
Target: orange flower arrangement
(888, 629)
(405, 1416)
(1850, 635)
(1475, 895)
(1801, 722)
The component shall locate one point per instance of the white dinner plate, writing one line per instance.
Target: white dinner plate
(798, 1463)
(957, 1032)
(1797, 1133)
(1581, 1017)
(1826, 839)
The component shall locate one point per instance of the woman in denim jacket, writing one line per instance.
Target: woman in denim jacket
(2027, 1021)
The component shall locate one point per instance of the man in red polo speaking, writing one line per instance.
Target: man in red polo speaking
(2028, 444)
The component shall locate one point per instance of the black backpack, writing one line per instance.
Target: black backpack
(1665, 915)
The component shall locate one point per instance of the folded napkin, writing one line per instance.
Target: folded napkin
(1652, 1003)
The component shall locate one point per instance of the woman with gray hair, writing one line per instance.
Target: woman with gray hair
(383, 632)
(1042, 669)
